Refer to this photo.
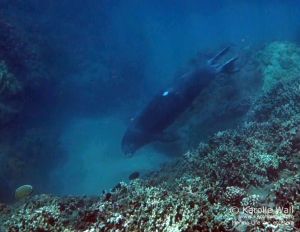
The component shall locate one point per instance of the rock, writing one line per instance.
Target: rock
(134, 176)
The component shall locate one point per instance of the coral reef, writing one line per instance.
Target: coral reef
(24, 92)
(207, 189)
(242, 179)
(279, 61)
(233, 195)
(287, 191)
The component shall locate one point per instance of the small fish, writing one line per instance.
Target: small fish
(23, 191)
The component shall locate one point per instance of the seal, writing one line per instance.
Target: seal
(166, 106)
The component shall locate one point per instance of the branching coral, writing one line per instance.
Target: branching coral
(287, 191)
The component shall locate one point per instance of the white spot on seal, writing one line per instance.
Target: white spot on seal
(165, 93)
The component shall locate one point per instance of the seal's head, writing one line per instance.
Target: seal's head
(132, 141)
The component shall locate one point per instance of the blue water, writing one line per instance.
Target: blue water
(96, 64)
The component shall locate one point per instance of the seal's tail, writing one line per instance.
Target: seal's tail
(228, 67)
(214, 60)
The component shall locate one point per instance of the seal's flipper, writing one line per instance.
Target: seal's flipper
(228, 66)
(214, 60)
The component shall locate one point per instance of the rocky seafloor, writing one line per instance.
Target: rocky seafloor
(242, 179)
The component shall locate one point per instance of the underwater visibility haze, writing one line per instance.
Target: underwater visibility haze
(149, 115)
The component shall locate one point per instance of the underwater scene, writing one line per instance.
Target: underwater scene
(149, 115)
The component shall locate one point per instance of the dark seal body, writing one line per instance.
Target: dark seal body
(167, 105)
